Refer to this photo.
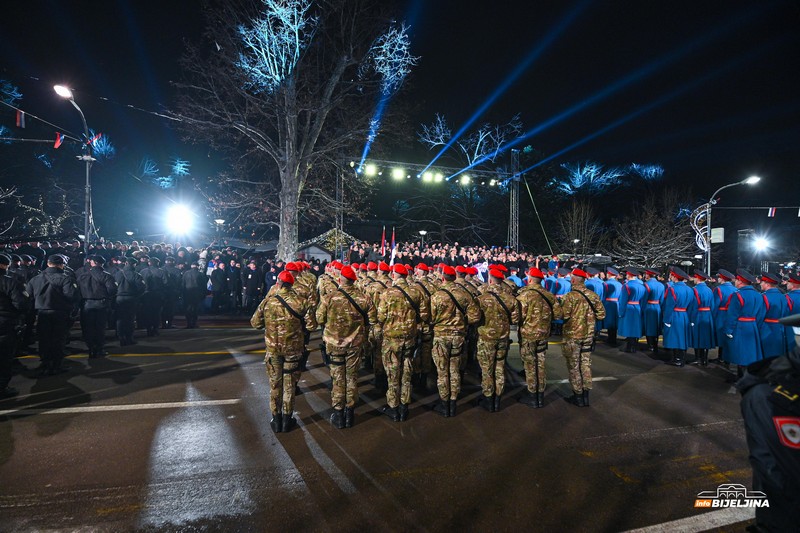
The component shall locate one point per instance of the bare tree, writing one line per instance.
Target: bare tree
(579, 229)
(291, 86)
(481, 146)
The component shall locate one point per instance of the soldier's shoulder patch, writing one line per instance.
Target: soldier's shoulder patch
(788, 428)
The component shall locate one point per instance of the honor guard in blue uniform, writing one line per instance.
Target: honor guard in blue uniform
(746, 311)
(677, 332)
(704, 335)
(774, 341)
(631, 318)
(611, 304)
(793, 301)
(652, 309)
(719, 310)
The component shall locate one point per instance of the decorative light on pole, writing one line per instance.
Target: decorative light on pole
(752, 180)
(66, 92)
(422, 234)
(219, 222)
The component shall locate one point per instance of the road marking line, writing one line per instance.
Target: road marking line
(702, 521)
(124, 407)
(680, 430)
(601, 378)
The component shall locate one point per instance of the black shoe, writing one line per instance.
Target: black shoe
(349, 415)
(43, 369)
(403, 412)
(576, 399)
(8, 392)
(531, 399)
(392, 413)
(486, 402)
(337, 418)
(276, 423)
(586, 398)
(442, 407)
(675, 362)
(452, 408)
(496, 406)
(289, 422)
(540, 399)
(56, 368)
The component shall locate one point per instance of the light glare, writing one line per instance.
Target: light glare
(761, 244)
(427, 176)
(371, 169)
(179, 219)
(752, 180)
(398, 173)
(62, 91)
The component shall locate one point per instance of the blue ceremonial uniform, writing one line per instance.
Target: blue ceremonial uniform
(652, 309)
(719, 310)
(793, 301)
(631, 298)
(596, 286)
(704, 335)
(774, 341)
(610, 302)
(676, 318)
(745, 311)
(549, 284)
(563, 286)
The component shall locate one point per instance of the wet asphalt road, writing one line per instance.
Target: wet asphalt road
(173, 435)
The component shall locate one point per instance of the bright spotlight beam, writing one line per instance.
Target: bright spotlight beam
(179, 220)
(532, 56)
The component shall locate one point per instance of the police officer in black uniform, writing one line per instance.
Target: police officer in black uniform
(171, 292)
(130, 287)
(155, 280)
(14, 304)
(252, 281)
(195, 286)
(55, 294)
(771, 410)
(98, 290)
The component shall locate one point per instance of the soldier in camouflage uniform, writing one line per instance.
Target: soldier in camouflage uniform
(538, 309)
(285, 317)
(346, 333)
(423, 365)
(581, 308)
(499, 311)
(374, 287)
(452, 311)
(326, 283)
(402, 311)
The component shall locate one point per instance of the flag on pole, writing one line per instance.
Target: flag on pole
(383, 242)
(93, 139)
(59, 140)
(20, 118)
(771, 212)
(394, 248)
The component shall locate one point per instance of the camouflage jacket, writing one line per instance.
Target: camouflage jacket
(538, 308)
(375, 287)
(344, 325)
(579, 315)
(306, 286)
(283, 333)
(445, 316)
(496, 322)
(461, 282)
(326, 285)
(395, 312)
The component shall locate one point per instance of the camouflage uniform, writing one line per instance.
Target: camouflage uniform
(579, 320)
(374, 288)
(493, 340)
(538, 310)
(283, 337)
(449, 330)
(424, 363)
(400, 323)
(345, 337)
(472, 331)
(306, 287)
(326, 285)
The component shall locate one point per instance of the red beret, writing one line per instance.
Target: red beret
(372, 266)
(448, 270)
(362, 267)
(355, 266)
(472, 271)
(338, 265)
(423, 267)
(580, 273)
(286, 277)
(347, 272)
(461, 270)
(292, 267)
(501, 268)
(383, 267)
(400, 269)
(497, 273)
(535, 273)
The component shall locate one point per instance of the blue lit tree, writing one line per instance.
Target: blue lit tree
(588, 178)
(481, 145)
(288, 91)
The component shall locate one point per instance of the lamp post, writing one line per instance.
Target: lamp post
(66, 92)
(219, 222)
(422, 234)
(752, 180)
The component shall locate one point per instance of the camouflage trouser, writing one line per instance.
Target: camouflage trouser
(397, 355)
(283, 373)
(447, 356)
(471, 351)
(344, 374)
(374, 349)
(578, 353)
(424, 363)
(492, 358)
(533, 354)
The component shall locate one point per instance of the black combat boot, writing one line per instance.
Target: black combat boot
(612, 337)
(496, 401)
(704, 357)
(677, 358)
(531, 399)
(539, 399)
(337, 418)
(576, 399)
(392, 412)
(585, 398)
(403, 411)
(453, 408)
(289, 423)
(276, 423)
(486, 402)
(442, 407)
(349, 415)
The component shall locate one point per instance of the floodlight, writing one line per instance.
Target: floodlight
(438, 177)
(371, 169)
(398, 173)
(752, 180)
(427, 176)
(179, 219)
(492, 183)
(761, 244)
(465, 180)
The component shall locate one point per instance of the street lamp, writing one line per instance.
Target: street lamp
(66, 92)
(422, 234)
(219, 222)
(752, 180)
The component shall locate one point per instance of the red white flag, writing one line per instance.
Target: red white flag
(771, 212)
(383, 242)
(59, 140)
(20, 119)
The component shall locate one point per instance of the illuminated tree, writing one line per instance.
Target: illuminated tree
(288, 87)
(587, 178)
(482, 145)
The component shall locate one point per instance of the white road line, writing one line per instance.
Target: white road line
(107, 408)
(702, 521)
(601, 378)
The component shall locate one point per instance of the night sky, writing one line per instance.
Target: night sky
(708, 89)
